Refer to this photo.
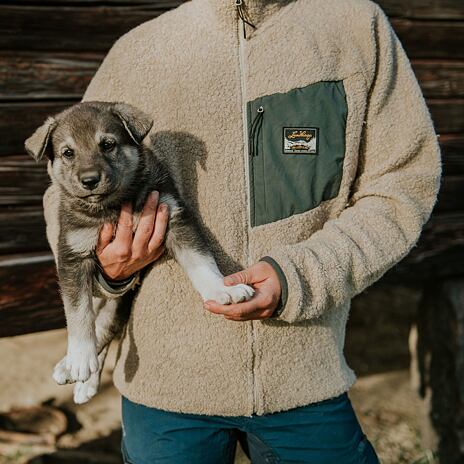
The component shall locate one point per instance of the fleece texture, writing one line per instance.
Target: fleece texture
(186, 70)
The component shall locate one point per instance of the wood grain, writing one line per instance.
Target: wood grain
(65, 75)
(70, 28)
(22, 180)
(419, 9)
(46, 75)
(440, 78)
(18, 120)
(29, 298)
(25, 117)
(22, 229)
(424, 9)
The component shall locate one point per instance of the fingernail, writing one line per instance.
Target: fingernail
(155, 194)
(206, 305)
(163, 207)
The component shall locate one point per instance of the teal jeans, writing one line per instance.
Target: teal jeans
(327, 432)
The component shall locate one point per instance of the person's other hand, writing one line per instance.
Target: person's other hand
(128, 253)
(262, 277)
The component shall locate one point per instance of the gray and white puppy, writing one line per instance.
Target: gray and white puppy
(98, 159)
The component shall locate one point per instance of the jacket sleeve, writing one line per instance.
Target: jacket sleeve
(393, 195)
(107, 85)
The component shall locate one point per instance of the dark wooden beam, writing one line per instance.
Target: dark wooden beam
(46, 75)
(440, 78)
(452, 148)
(423, 9)
(29, 298)
(22, 180)
(431, 39)
(22, 229)
(447, 114)
(70, 28)
(451, 194)
(61, 75)
(419, 9)
(25, 117)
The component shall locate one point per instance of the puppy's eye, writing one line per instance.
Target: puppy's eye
(108, 144)
(68, 153)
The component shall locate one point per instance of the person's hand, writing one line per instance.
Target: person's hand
(127, 253)
(264, 280)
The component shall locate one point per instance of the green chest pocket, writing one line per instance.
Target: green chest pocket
(296, 150)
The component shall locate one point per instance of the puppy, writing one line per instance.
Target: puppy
(98, 159)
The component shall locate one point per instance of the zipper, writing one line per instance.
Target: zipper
(254, 133)
(246, 154)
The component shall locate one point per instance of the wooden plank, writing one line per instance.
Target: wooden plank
(46, 75)
(451, 194)
(28, 27)
(19, 120)
(447, 114)
(69, 28)
(439, 253)
(424, 9)
(161, 4)
(25, 117)
(29, 298)
(419, 9)
(440, 78)
(452, 148)
(22, 229)
(22, 180)
(431, 39)
(62, 75)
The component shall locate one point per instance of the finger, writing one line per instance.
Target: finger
(124, 227)
(161, 225)
(249, 276)
(157, 254)
(235, 310)
(256, 315)
(146, 224)
(104, 238)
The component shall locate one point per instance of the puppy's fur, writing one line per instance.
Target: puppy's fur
(99, 160)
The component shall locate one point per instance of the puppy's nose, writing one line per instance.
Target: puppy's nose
(90, 179)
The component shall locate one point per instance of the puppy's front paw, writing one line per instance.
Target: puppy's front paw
(85, 391)
(82, 361)
(61, 374)
(230, 294)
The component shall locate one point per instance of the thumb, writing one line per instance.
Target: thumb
(105, 237)
(247, 276)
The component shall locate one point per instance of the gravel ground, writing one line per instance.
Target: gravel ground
(385, 404)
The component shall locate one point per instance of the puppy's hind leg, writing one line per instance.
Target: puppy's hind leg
(111, 316)
(85, 391)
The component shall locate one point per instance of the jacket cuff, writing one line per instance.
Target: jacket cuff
(107, 288)
(283, 285)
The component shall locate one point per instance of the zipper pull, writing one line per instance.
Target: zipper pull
(243, 17)
(255, 128)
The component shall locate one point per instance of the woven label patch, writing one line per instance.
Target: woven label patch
(300, 140)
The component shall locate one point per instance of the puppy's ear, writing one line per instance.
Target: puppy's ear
(136, 122)
(38, 143)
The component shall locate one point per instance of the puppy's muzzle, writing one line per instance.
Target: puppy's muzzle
(90, 179)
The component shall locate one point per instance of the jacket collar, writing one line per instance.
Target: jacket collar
(227, 12)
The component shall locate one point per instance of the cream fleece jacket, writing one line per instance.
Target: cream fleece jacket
(334, 179)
